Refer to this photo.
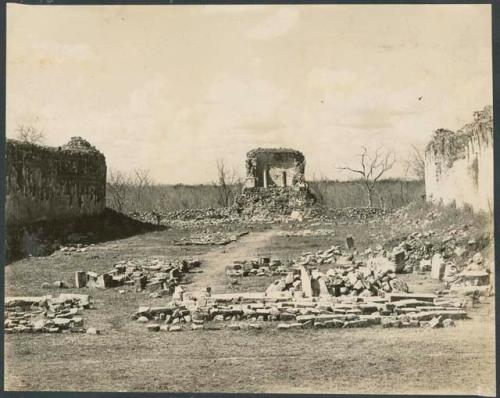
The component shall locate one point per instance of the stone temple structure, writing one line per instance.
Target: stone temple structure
(275, 184)
(274, 168)
(459, 165)
(53, 183)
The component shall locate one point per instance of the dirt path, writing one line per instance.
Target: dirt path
(213, 263)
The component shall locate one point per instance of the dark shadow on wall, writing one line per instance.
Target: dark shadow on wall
(44, 237)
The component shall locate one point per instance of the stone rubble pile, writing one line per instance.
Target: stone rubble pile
(200, 214)
(453, 259)
(373, 258)
(273, 204)
(350, 213)
(198, 311)
(261, 267)
(78, 248)
(189, 217)
(46, 314)
(419, 247)
(472, 276)
(265, 205)
(328, 256)
(307, 232)
(159, 275)
(339, 281)
(210, 238)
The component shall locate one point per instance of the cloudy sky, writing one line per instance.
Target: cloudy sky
(173, 88)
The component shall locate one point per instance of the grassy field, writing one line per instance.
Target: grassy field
(125, 357)
(132, 197)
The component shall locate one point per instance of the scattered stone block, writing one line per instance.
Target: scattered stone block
(80, 279)
(154, 327)
(434, 322)
(429, 315)
(104, 281)
(349, 240)
(140, 283)
(61, 321)
(470, 290)
(175, 328)
(286, 316)
(305, 280)
(333, 323)
(60, 284)
(437, 266)
(406, 296)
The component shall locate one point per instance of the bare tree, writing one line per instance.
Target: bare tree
(142, 183)
(227, 183)
(141, 178)
(373, 167)
(417, 163)
(118, 185)
(30, 134)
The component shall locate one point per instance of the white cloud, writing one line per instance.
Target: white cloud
(237, 102)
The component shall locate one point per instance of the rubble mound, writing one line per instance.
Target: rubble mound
(263, 204)
(210, 238)
(189, 217)
(45, 314)
(346, 213)
(161, 275)
(261, 267)
(79, 144)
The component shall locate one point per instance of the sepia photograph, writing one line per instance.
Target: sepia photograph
(249, 198)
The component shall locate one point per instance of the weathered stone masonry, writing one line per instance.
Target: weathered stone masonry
(270, 167)
(46, 183)
(275, 184)
(459, 166)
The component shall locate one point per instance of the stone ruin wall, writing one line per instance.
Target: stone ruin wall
(275, 184)
(459, 166)
(46, 183)
(274, 168)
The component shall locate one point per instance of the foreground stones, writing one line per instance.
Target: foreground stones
(261, 267)
(348, 274)
(341, 281)
(200, 311)
(153, 274)
(46, 314)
